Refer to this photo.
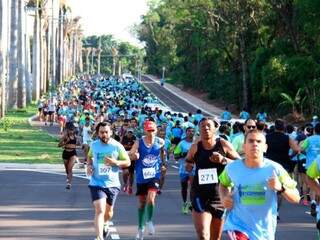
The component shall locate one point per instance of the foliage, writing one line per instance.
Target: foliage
(130, 55)
(242, 52)
(24, 144)
(6, 123)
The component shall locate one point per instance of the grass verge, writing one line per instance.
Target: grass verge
(22, 143)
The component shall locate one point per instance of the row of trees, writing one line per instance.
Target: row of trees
(104, 54)
(32, 64)
(254, 54)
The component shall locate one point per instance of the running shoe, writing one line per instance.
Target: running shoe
(313, 209)
(106, 230)
(130, 191)
(305, 202)
(68, 186)
(184, 208)
(150, 227)
(189, 206)
(139, 235)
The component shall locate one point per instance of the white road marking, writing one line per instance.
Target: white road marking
(115, 236)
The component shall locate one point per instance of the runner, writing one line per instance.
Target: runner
(238, 140)
(279, 144)
(69, 155)
(180, 153)
(148, 153)
(311, 145)
(128, 173)
(248, 189)
(209, 155)
(313, 174)
(105, 159)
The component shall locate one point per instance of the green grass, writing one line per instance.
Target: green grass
(25, 144)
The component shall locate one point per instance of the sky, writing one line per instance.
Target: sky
(113, 17)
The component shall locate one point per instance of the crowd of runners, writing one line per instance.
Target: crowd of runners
(233, 174)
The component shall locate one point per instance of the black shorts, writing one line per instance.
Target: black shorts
(290, 167)
(201, 205)
(110, 194)
(143, 188)
(301, 166)
(68, 154)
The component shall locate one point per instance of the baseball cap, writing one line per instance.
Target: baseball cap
(149, 126)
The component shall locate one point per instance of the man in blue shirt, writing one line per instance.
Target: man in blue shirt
(148, 152)
(248, 189)
(105, 159)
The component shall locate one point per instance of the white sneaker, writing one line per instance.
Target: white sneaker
(139, 235)
(150, 227)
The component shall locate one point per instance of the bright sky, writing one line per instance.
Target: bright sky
(113, 17)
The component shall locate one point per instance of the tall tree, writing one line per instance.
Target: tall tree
(13, 64)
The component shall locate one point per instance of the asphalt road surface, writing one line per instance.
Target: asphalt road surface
(34, 204)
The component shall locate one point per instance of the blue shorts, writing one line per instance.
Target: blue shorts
(110, 194)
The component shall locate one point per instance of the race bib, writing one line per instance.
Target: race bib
(208, 176)
(149, 172)
(104, 169)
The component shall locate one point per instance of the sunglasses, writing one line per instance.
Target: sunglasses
(251, 127)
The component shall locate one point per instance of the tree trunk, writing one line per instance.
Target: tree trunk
(36, 51)
(21, 97)
(3, 53)
(13, 73)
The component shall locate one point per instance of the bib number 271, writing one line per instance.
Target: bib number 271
(208, 176)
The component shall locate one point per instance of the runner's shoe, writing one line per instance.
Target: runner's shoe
(184, 208)
(130, 191)
(139, 235)
(313, 209)
(189, 206)
(106, 230)
(151, 229)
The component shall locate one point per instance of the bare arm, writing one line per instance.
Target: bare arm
(190, 157)
(294, 146)
(134, 154)
(314, 185)
(231, 153)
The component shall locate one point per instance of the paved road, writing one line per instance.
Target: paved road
(171, 100)
(35, 205)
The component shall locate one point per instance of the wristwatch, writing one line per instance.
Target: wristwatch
(224, 161)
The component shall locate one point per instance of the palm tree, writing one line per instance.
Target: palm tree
(21, 97)
(13, 73)
(296, 103)
(3, 53)
(36, 55)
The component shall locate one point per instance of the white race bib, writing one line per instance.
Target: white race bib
(149, 172)
(208, 176)
(104, 169)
